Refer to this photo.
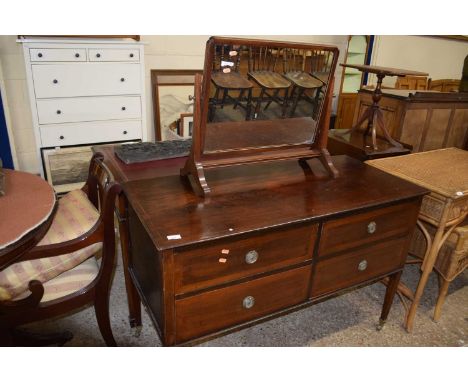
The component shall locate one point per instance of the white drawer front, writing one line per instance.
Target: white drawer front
(77, 134)
(62, 110)
(50, 54)
(114, 55)
(87, 79)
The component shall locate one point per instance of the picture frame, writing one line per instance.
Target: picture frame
(186, 125)
(172, 91)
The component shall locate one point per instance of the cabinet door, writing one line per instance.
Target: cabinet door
(87, 79)
(345, 113)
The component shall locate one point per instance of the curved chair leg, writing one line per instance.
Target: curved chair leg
(101, 307)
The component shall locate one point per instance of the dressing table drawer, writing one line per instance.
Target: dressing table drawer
(76, 134)
(102, 55)
(87, 79)
(211, 311)
(357, 266)
(353, 231)
(57, 55)
(61, 110)
(212, 264)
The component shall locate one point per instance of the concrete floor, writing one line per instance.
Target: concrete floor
(346, 320)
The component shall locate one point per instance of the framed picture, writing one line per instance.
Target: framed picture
(66, 168)
(172, 97)
(186, 125)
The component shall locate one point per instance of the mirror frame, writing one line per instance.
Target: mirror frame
(199, 161)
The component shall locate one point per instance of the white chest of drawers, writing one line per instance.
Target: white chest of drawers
(85, 92)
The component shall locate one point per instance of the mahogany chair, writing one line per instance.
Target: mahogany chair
(226, 77)
(62, 273)
(294, 65)
(263, 63)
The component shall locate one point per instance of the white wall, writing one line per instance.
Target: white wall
(161, 52)
(440, 57)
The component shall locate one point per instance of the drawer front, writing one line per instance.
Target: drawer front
(353, 231)
(86, 79)
(211, 264)
(101, 55)
(355, 267)
(211, 311)
(62, 110)
(63, 55)
(76, 134)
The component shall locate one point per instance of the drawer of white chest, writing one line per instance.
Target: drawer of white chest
(86, 79)
(93, 132)
(53, 54)
(62, 110)
(100, 55)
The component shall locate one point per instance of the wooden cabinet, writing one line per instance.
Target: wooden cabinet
(85, 92)
(422, 119)
(266, 249)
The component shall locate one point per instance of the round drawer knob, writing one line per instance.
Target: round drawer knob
(55, 81)
(98, 55)
(62, 137)
(248, 302)
(251, 257)
(122, 79)
(39, 55)
(59, 111)
(125, 132)
(124, 108)
(371, 227)
(362, 265)
(131, 54)
(77, 55)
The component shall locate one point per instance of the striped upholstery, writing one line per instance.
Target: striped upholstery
(68, 282)
(75, 216)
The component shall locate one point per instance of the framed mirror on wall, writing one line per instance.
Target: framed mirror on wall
(260, 100)
(172, 102)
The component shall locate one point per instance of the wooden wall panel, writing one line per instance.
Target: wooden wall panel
(416, 119)
(459, 132)
(435, 134)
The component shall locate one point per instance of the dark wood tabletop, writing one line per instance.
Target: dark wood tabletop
(266, 195)
(385, 70)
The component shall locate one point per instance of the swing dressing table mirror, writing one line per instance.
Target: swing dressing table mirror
(258, 101)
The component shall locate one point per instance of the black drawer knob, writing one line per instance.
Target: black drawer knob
(55, 81)
(98, 55)
(125, 132)
(62, 137)
(59, 112)
(77, 55)
(122, 79)
(39, 55)
(124, 108)
(131, 54)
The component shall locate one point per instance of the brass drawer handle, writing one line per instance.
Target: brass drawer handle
(362, 265)
(372, 227)
(248, 302)
(251, 257)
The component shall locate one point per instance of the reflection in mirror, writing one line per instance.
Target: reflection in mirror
(265, 95)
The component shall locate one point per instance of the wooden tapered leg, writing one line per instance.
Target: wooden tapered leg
(392, 288)
(443, 289)
(133, 299)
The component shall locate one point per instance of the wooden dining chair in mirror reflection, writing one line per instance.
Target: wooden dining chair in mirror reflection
(226, 78)
(264, 63)
(305, 86)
